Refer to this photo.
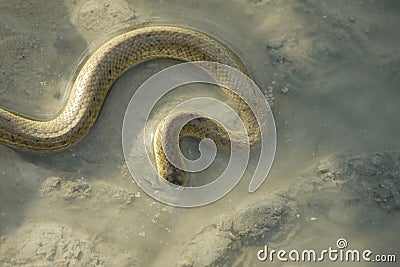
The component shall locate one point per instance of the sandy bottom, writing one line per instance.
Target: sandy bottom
(332, 72)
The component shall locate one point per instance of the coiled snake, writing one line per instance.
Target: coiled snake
(97, 76)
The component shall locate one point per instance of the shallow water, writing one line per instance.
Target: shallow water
(335, 92)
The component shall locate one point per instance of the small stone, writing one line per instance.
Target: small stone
(276, 56)
(142, 234)
(275, 44)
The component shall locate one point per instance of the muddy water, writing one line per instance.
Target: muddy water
(331, 71)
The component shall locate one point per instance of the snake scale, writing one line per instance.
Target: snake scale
(96, 77)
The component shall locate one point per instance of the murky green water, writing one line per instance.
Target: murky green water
(332, 71)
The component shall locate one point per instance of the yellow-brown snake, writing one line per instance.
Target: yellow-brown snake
(97, 76)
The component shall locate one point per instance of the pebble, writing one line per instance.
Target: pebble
(276, 56)
(275, 45)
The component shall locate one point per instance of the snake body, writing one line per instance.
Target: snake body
(96, 77)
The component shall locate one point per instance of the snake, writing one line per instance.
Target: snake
(95, 78)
